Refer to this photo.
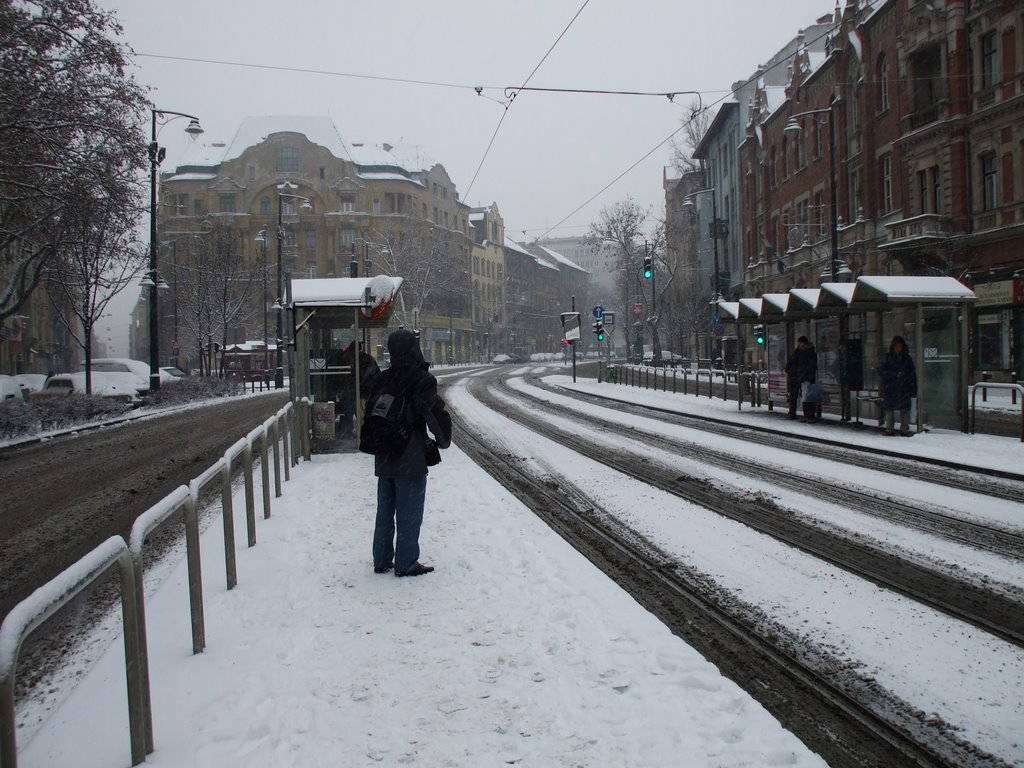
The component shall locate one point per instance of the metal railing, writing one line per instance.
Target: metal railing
(745, 383)
(27, 615)
(1015, 389)
(46, 601)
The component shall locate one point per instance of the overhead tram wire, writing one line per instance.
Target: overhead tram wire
(511, 97)
(510, 92)
(830, 30)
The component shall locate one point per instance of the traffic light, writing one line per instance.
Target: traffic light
(648, 267)
(759, 334)
(599, 330)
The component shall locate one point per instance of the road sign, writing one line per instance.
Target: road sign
(571, 325)
(609, 320)
(597, 311)
(638, 309)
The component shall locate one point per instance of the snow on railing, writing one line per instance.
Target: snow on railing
(46, 601)
(985, 386)
(27, 615)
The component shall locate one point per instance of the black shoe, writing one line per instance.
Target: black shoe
(383, 568)
(417, 570)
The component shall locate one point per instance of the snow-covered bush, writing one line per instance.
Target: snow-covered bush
(192, 388)
(27, 417)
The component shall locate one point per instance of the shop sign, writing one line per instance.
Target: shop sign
(998, 293)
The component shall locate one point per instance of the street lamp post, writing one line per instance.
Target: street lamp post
(279, 304)
(716, 293)
(156, 156)
(261, 237)
(793, 127)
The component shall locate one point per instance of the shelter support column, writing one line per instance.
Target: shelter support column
(844, 386)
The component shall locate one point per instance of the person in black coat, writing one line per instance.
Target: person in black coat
(801, 368)
(344, 384)
(402, 479)
(899, 385)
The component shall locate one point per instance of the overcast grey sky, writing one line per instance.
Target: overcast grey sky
(552, 153)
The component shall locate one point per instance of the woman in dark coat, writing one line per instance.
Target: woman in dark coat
(402, 479)
(899, 386)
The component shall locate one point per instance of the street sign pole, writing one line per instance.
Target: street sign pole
(574, 343)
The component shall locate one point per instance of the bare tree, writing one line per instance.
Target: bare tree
(685, 306)
(215, 290)
(696, 121)
(99, 256)
(233, 282)
(429, 259)
(67, 105)
(621, 227)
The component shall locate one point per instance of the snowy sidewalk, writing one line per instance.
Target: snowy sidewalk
(516, 651)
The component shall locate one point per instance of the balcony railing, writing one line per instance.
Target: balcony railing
(923, 117)
(928, 226)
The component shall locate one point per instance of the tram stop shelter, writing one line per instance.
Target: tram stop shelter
(332, 319)
(851, 326)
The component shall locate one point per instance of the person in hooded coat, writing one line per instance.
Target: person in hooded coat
(899, 386)
(402, 479)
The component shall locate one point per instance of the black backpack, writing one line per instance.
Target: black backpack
(387, 422)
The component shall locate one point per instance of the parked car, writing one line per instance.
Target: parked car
(667, 358)
(123, 365)
(119, 385)
(12, 389)
(34, 381)
(169, 374)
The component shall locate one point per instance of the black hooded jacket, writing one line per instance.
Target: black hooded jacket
(429, 413)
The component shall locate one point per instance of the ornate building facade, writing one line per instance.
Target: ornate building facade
(289, 197)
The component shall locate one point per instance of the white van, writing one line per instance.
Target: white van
(123, 365)
(119, 385)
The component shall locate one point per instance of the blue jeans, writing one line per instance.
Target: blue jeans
(399, 499)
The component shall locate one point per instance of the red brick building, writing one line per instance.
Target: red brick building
(926, 104)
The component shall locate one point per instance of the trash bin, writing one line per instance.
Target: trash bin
(323, 420)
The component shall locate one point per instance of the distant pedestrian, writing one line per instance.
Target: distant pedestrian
(899, 386)
(344, 383)
(801, 369)
(402, 478)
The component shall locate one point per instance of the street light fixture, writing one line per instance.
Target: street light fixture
(156, 156)
(307, 205)
(689, 204)
(261, 237)
(794, 128)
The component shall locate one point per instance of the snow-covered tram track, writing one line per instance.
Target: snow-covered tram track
(844, 715)
(932, 519)
(976, 605)
(992, 482)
